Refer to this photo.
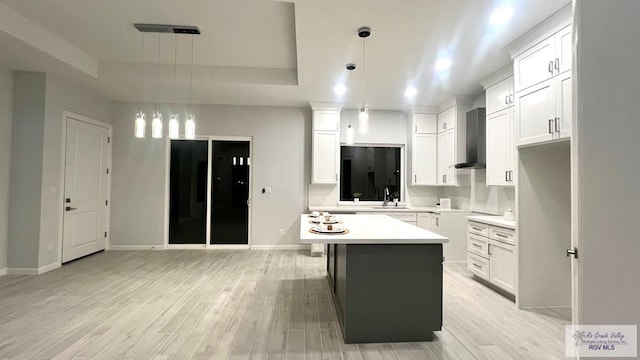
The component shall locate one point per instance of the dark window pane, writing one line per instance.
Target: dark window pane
(368, 171)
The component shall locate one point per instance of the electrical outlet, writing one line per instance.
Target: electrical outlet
(281, 232)
(50, 246)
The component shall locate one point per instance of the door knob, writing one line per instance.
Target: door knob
(69, 208)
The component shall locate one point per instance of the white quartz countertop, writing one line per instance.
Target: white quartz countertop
(493, 220)
(370, 229)
(370, 208)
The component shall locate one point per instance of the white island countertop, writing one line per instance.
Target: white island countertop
(370, 229)
(378, 208)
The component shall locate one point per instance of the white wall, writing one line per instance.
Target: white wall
(606, 139)
(281, 160)
(6, 119)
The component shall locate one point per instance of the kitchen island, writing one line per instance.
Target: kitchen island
(385, 277)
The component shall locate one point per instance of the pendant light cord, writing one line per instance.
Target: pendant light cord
(175, 73)
(364, 67)
(191, 70)
(158, 79)
(142, 74)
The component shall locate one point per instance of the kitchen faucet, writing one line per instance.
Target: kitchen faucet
(386, 197)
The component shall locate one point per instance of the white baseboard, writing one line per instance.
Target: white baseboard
(136, 247)
(280, 247)
(32, 271)
(3, 272)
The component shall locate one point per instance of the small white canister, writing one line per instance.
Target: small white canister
(509, 215)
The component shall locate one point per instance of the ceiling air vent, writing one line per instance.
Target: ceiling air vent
(168, 29)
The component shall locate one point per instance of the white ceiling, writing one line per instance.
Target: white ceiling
(266, 52)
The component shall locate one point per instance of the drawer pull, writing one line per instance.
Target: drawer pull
(476, 265)
(476, 229)
(476, 245)
(502, 235)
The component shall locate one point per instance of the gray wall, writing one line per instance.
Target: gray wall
(281, 160)
(6, 119)
(606, 136)
(60, 97)
(36, 163)
(26, 169)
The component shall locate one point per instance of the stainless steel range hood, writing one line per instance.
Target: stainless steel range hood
(476, 140)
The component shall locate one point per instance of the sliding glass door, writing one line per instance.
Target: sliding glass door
(209, 193)
(230, 192)
(188, 192)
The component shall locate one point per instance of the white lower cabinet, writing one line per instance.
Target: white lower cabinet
(424, 221)
(502, 258)
(491, 255)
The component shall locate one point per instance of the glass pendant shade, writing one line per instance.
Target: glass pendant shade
(156, 126)
(190, 127)
(350, 135)
(363, 121)
(140, 125)
(174, 127)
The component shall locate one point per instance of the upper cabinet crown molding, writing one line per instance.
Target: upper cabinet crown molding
(552, 24)
(495, 77)
(422, 109)
(326, 106)
(458, 100)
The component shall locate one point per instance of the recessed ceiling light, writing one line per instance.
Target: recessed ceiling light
(501, 15)
(339, 89)
(410, 92)
(443, 64)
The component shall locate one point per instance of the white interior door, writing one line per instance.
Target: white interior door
(85, 188)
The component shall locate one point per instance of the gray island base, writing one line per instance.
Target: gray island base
(384, 290)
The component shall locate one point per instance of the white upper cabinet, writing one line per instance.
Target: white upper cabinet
(424, 127)
(447, 119)
(544, 111)
(500, 96)
(535, 65)
(325, 167)
(326, 120)
(543, 85)
(446, 158)
(425, 123)
(424, 159)
(544, 60)
(500, 148)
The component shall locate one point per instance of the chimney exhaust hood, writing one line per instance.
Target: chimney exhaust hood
(476, 140)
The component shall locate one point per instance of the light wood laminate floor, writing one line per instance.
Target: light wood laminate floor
(198, 304)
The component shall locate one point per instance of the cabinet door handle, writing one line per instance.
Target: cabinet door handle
(551, 126)
(338, 126)
(510, 99)
(445, 178)
(506, 176)
(415, 128)
(557, 64)
(336, 176)
(557, 121)
(415, 178)
(437, 221)
(506, 99)
(489, 249)
(511, 175)
(551, 67)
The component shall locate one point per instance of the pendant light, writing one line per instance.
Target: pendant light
(350, 130)
(363, 116)
(140, 123)
(190, 123)
(174, 124)
(156, 124)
